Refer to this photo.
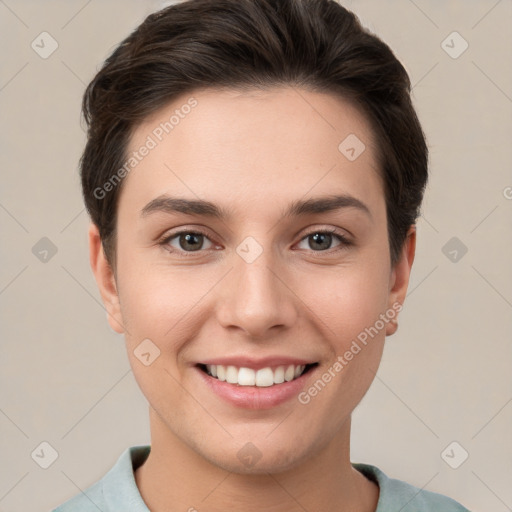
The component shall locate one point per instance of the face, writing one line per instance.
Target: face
(252, 247)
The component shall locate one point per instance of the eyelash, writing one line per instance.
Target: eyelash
(344, 242)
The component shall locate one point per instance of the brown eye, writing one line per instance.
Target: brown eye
(189, 241)
(322, 241)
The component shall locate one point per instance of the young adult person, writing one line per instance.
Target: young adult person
(253, 173)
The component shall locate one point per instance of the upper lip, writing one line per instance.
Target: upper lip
(257, 363)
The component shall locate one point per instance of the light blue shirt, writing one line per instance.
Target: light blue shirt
(118, 492)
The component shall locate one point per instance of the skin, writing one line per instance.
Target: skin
(253, 153)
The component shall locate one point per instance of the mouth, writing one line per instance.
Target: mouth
(260, 378)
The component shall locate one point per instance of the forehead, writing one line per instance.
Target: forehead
(251, 145)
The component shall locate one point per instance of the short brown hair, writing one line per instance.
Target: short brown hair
(316, 44)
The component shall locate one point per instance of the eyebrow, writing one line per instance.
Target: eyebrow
(168, 204)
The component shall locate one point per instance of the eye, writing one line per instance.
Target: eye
(195, 241)
(188, 241)
(323, 240)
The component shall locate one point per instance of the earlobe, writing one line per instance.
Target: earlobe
(399, 278)
(105, 279)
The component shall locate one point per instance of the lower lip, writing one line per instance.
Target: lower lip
(252, 397)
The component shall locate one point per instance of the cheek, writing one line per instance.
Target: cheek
(346, 300)
(162, 303)
(156, 314)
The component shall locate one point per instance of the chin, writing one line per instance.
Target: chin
(256, 459)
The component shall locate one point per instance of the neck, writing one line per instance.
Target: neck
(175, 477)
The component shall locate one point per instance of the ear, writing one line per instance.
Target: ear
(105, 279)
(399, 278)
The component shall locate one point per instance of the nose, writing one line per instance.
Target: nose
(256, 298)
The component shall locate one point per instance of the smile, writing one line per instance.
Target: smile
(263, 377)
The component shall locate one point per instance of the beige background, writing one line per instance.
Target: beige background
(65, 377)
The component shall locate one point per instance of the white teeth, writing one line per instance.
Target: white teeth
(264, 377)
(221, 372)
(246, 377)
(289, 373)
(232, 375)
(279, 375)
